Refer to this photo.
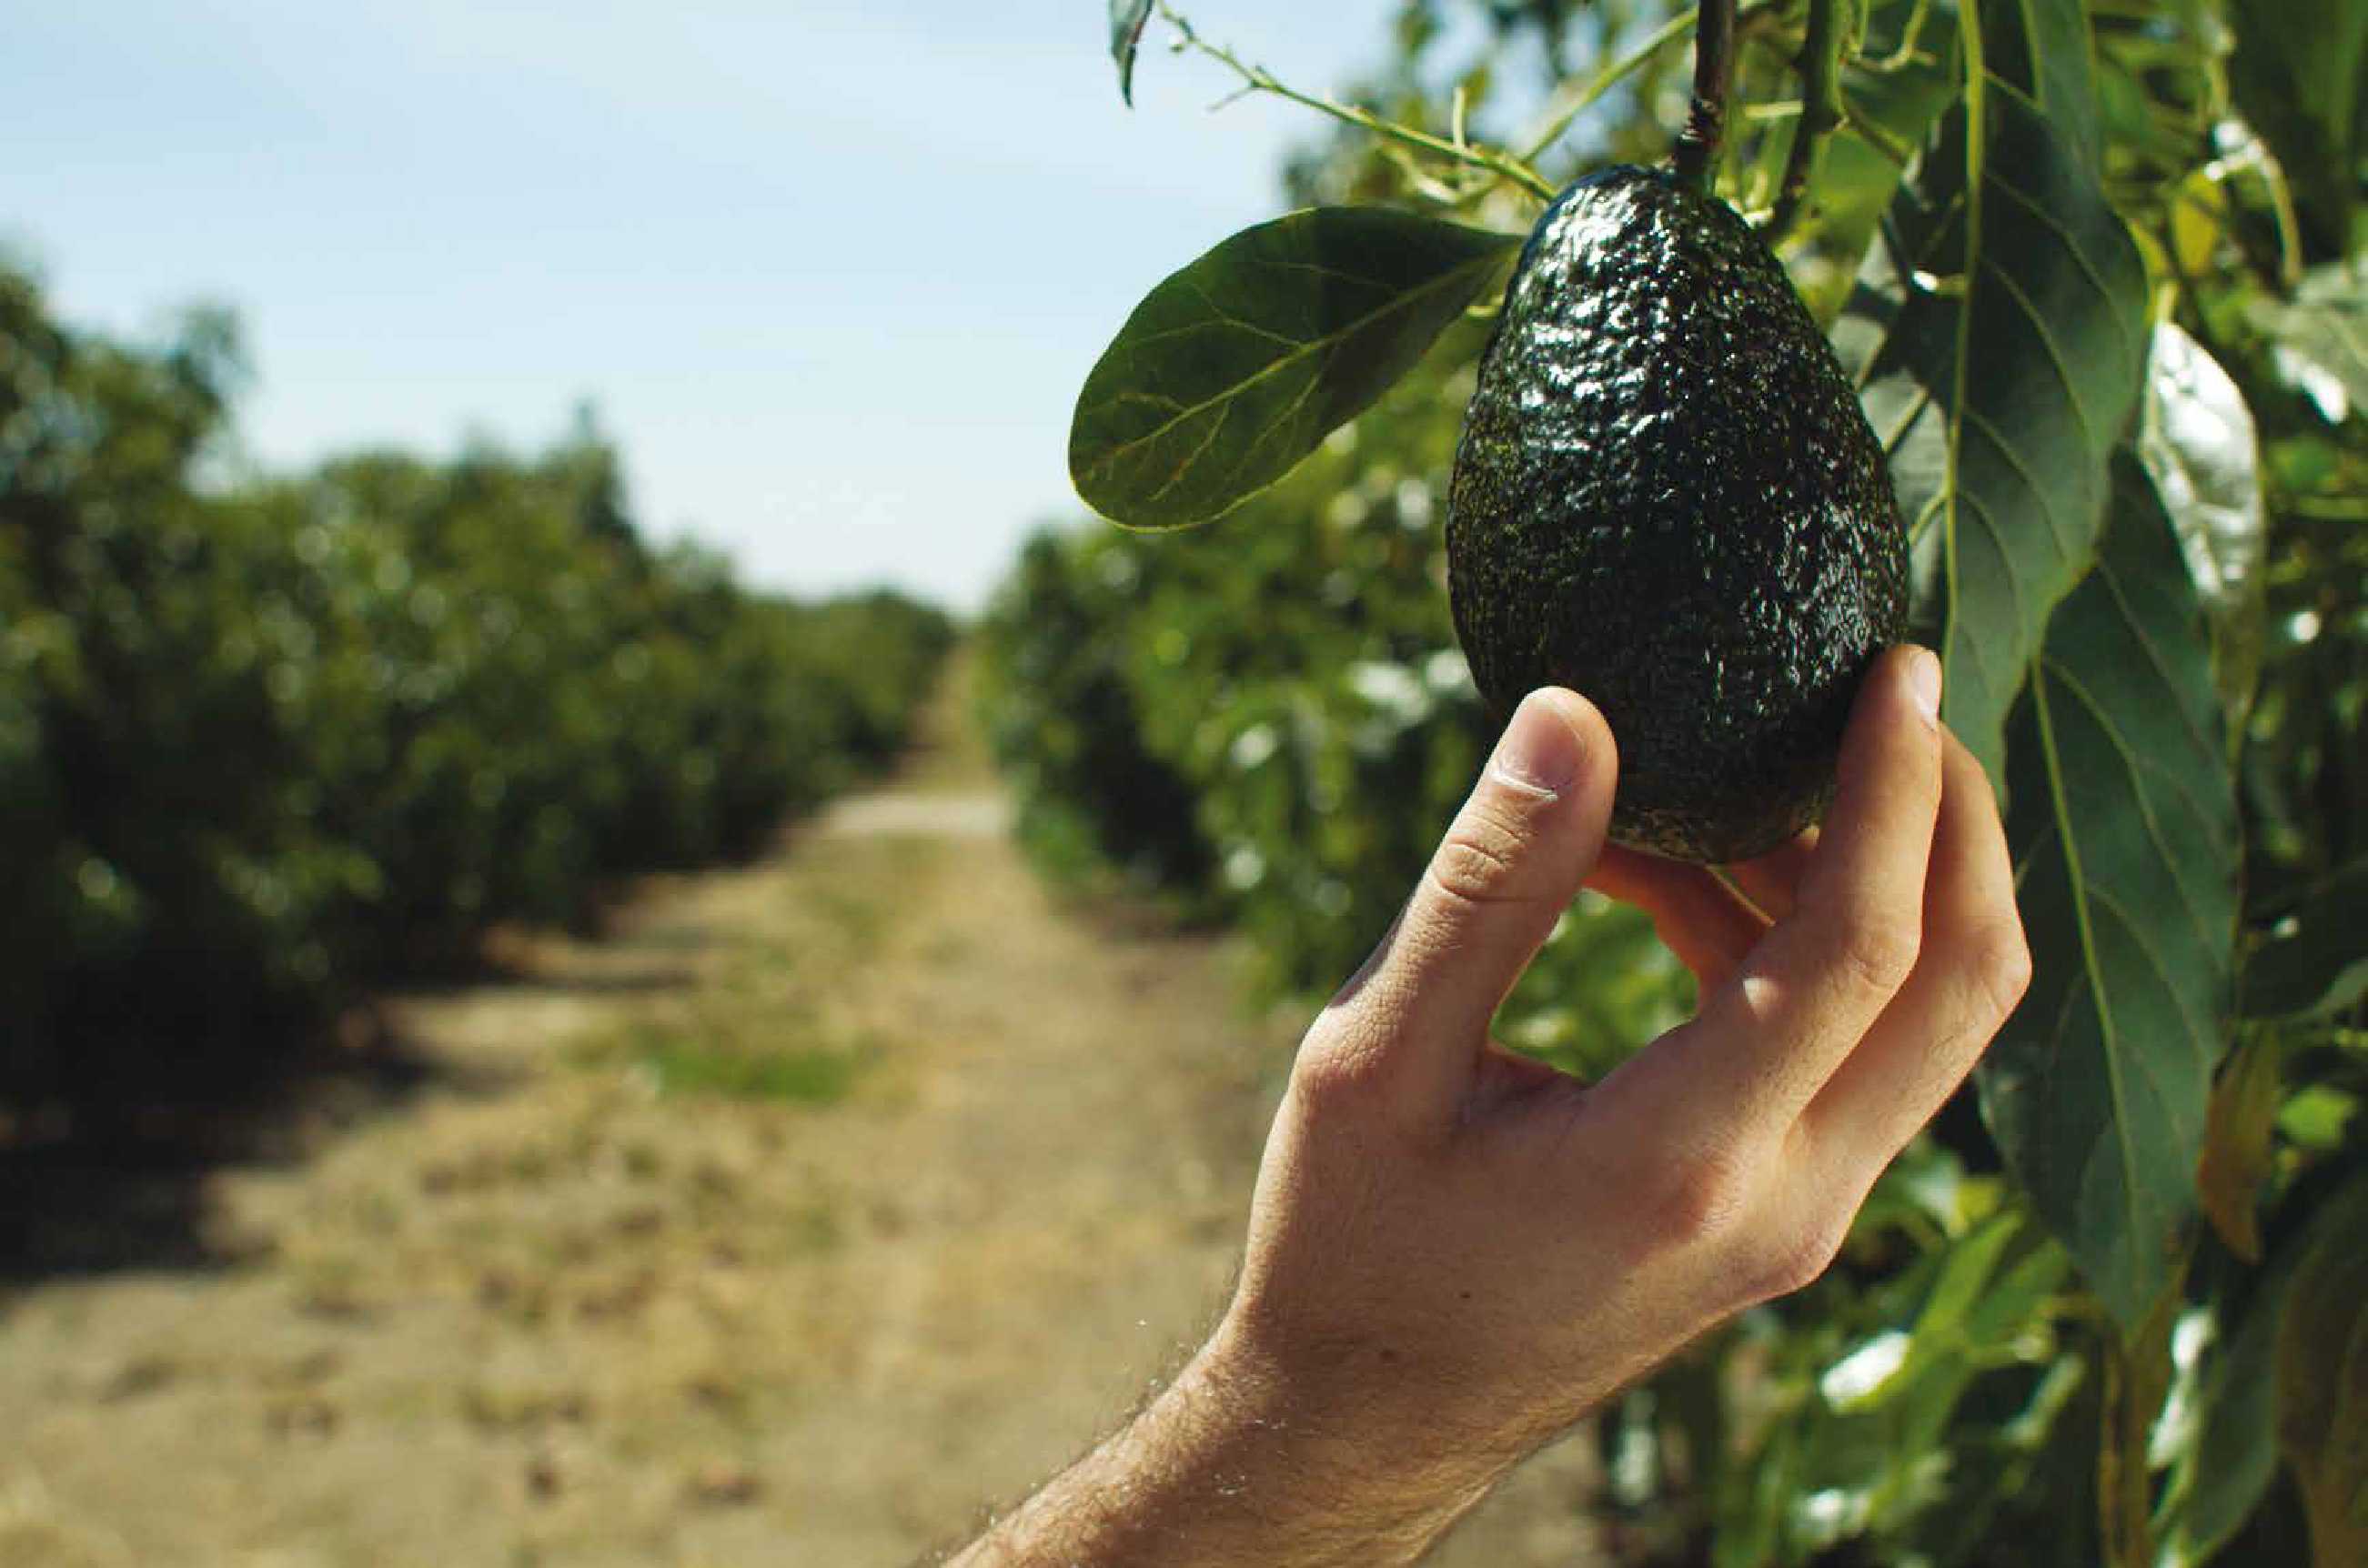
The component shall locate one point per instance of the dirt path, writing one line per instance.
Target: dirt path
(822, 1203)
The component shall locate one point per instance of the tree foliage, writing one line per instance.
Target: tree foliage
(2095, 265)
(267, 739)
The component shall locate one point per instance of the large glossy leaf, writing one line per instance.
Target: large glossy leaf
(2042, 48)
(2124, 827)
(2197, 442)
(2322, 1381)
(1127, 19)
(2000, 326)
(1231, 371)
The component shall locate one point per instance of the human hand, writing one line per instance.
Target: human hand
(1454, 1252)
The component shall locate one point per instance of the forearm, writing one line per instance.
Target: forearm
(1220, 1468)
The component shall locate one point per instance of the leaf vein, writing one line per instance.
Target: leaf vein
(2046, 341)
(1399, 303)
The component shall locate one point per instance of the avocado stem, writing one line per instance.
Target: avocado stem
(1698, 144)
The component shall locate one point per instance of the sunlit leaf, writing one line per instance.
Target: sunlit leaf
(1231, 371)
(2322, 338)
(2197, 442)
(2322, 1381)
(2124, 827)
(2007, 308)
(2317, 962)
(1959, 1314)
(1127, 19)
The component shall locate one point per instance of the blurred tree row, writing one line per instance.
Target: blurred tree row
(266, 740)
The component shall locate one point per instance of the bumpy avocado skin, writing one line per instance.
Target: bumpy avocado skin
(1667, 498)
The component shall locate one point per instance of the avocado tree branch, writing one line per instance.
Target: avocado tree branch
(1821, 113)
(1698, 144)
(1258, 79)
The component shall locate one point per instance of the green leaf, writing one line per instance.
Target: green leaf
(2323, 1379)
(1878, 1370)
(1231, 371)
(2221, 1481)
(2316, 963)
(2123, 828)
(2322, 338)
(2042, 48)
(2296, 74)
(2002, 321)
(2198, 446)
(2240, 1143)
(1127, 19)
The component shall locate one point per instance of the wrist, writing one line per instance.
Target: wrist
(1244, 1458)
(1337, 1442)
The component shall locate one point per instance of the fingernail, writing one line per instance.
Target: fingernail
(1540, 749)
(1924, 684)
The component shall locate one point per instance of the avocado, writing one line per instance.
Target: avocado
(1667, 498)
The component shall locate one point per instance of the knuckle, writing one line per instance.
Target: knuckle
(1705, 1200)
(1879, 954)
(2001, 961)
(1334, 1075)
(1797, 1255)
(1478, 863)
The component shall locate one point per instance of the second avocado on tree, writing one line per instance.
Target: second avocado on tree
(1667, 498)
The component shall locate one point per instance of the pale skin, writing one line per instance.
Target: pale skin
(1455, 1254)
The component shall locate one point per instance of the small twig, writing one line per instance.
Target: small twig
(1258, 79)
(1821, 114)
(1418, 173)
(1698, 144)
(1910, 35)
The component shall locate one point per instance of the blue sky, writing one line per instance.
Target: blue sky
(831, 270)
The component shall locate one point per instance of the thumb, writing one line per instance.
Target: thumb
(1509, 865)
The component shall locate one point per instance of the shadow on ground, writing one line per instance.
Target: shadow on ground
(92, 1192)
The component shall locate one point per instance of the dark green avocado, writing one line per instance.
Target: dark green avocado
(1667, 498)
